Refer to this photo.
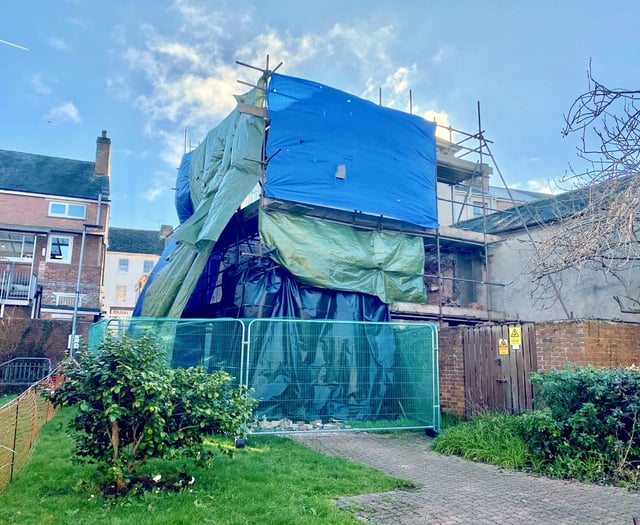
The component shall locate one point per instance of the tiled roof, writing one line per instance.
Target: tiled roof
(542, 211)
(135, 241)
(26, 172)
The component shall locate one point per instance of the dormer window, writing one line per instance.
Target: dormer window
(69, 211)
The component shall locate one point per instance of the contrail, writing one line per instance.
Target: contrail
(14, 45)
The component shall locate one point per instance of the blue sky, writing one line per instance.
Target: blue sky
(147, 70)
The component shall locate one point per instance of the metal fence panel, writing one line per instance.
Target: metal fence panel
(336, 375)
(310, 375)
(212, 343)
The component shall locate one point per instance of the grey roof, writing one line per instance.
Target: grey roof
(29, 173)
(126, 240)
(543, 211)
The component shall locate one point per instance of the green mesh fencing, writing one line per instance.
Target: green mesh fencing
(309, 375)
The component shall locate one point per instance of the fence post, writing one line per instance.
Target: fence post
(15, 442)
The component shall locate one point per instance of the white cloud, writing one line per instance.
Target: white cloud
(58, 43)
(66, 112)
(39, 86)
(187, 79)
(441, 55)
(542, 186)
(160, 185)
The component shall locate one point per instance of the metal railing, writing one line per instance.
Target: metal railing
(17, 282)
(24, 370)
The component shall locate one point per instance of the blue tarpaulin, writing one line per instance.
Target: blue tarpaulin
(330, 148)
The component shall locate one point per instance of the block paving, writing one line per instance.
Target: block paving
(455, 491)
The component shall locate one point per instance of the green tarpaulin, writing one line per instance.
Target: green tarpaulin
(224, 169)
(386, 264)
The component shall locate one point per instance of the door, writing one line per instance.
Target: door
(498, 361)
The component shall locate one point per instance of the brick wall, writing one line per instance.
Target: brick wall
(451, 370)
(603, 344)
(20, 337)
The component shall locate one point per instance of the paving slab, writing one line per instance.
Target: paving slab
(454, 491)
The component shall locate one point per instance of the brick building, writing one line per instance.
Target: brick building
(54, 213)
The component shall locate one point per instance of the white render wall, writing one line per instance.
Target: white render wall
(113, 278)
(586, 295)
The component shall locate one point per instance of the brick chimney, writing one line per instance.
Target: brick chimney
(165, 230)
(103, 154)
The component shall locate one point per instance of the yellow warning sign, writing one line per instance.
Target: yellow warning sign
(515, 336)
(503, 347)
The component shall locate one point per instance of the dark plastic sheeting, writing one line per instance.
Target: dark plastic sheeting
(184, 204)
(162, 262)
(330, 367)
(333, 149)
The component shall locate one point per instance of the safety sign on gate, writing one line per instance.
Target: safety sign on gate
(503, 348)
(515, 337)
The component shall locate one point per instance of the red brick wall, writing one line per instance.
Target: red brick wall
(603, 344)
(33, 210)
(451, 370)
(20, 337)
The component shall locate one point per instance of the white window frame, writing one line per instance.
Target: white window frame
(66, 214)
(123, 265)
(59, 261)
(146, 263)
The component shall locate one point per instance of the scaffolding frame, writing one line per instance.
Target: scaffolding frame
(453, 167)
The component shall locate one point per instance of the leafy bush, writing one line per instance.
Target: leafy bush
(491, 438)
(588, 427)
(131, 407)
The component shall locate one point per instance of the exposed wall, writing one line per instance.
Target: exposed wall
(587, 294)
(132, 280)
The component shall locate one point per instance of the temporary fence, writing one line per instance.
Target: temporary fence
(309, 375)
(20, 421)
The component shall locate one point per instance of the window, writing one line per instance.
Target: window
(477, 208)
(59, 249)
(148, 266)
(121, 294)
(16, 247)
(123, 265)
(71, 211)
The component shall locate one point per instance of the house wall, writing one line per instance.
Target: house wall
(586, 295)
(33, 211)
(29, 213)
(133, 280)
(57, 278)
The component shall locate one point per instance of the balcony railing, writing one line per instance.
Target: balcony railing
(17, 282)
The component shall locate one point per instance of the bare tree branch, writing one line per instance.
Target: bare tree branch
(602, 232)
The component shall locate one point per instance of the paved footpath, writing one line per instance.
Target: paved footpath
(452, 490)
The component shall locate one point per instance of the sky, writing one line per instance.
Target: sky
(151, 72)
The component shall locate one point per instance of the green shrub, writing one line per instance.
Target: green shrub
(588, 427)
(132, 407)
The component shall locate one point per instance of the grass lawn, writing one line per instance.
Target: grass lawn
(5, 398)
(271, 481)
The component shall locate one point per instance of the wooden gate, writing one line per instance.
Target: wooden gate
(498, 361)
